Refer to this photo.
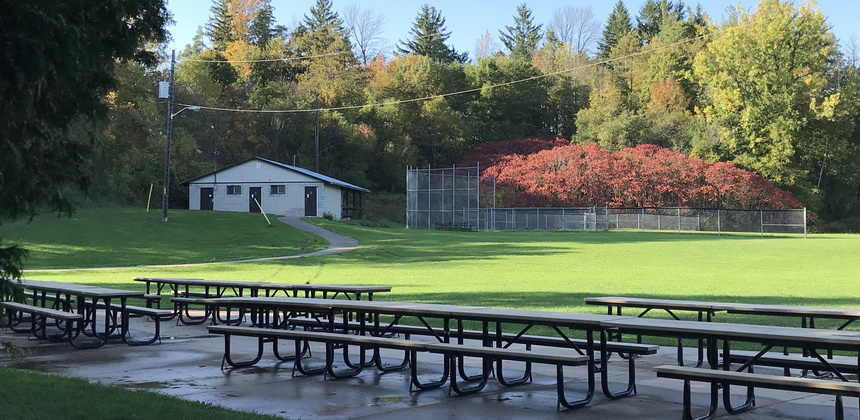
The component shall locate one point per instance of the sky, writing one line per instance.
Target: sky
(468, 20)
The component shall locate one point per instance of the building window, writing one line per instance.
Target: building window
(277, 189)
(234, 190)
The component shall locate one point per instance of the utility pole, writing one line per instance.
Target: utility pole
(317, 133)
(166, 181)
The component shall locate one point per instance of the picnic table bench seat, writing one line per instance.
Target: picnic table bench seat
(529, 340)
(628, 350)
(843, 364)
(38, 319)
(155, 314)
(452, 352)
(721, 378)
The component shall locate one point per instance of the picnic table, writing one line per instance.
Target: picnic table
(85, 301)
(444, 324)
(188, 291)
(812, 341)
(706, 310)
(177, 286)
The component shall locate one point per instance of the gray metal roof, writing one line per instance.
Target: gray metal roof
(312, 174)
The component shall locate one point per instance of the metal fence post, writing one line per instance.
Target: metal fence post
(606, 217)
(719, 227)
(804, 223)
(679, 220)
(761, 221)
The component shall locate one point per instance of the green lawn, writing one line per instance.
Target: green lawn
(547, 270)
(543, 270)
(122, 236)
(31, 395)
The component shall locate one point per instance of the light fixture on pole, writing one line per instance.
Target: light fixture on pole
(170, 115)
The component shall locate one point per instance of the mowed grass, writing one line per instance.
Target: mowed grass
(535, 270)
(123, 236)
(544, 270)
(31, 395)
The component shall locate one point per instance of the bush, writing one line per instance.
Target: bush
(328, 215)
(385, 206)
(641, 176)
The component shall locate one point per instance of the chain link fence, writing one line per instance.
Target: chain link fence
(457, 198)
(645, 218)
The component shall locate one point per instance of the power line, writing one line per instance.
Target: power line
(461, 92)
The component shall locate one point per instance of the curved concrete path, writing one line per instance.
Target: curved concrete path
(337, 243)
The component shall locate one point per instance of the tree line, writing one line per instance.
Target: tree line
(770, 90)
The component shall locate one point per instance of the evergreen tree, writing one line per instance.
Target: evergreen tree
(261, 31)
(322, 36)
(220, 25)
(322, 16)
(654, 15)
(616, 27)
(429, 36)
(522, 38)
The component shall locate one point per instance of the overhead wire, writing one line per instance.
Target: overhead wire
(460, 92)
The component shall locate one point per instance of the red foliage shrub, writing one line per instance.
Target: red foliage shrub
(641, 176)
(490, 153)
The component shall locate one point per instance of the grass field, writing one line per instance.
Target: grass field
(541, 270)
(547, 270)
(122, 236)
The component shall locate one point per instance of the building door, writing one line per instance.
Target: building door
(207, 199)
(311, 201)
(255, 199)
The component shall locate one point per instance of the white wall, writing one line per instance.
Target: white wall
(264, 175)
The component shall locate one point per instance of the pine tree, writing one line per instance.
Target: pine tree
(654, 15)
(261, 31)
(522, 38)
(616, 27)
(429, 36)
(220, 25)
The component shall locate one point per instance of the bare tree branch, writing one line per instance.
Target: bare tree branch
(486, 46)
(576, 28)
(365, 32)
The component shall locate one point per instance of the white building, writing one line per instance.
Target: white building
(275, 187)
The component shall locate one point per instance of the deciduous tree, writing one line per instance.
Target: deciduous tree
(54, 73)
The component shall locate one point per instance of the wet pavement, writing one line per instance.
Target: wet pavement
(187, 364)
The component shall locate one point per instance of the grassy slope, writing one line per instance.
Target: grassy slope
(122, 236)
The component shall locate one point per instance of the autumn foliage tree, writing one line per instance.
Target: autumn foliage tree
(641, 176)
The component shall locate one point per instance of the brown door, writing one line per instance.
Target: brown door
(207, 200)
(255, 199)
(311, 201)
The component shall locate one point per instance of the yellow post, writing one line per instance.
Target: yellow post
(262, 211)
(149, 198)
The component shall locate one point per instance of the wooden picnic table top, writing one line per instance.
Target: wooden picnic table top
(568, 319)
(767, 334)
(731, 307)
(347, 288)
(82, 290)
(635, 302)
(463, 312)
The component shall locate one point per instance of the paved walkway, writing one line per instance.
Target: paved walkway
(188, 365)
